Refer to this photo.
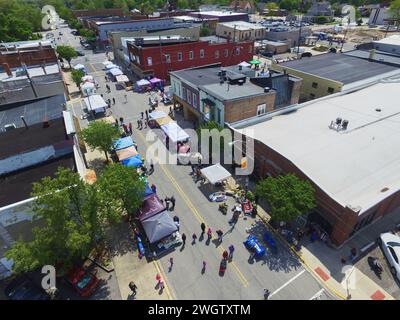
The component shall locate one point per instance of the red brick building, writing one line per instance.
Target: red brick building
(152, 58)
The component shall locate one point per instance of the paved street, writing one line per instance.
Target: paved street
(245, 278)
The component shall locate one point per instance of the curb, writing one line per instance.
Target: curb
(301, 259)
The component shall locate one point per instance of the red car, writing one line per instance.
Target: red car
(85, 283)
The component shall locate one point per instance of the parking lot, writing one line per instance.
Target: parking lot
(385, 279)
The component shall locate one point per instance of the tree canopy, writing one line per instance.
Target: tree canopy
(77, 76)
(100, 135)
(67, 53)
(287, 195)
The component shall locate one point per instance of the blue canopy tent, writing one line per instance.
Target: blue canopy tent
(135, 161)
(123, 143)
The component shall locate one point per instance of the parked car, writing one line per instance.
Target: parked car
(85, 283)
(306, 54)
(23, 288)
(390, 245)
(217, 197)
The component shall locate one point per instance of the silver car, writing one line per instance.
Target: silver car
(390, 245)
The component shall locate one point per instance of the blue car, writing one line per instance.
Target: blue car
(252, 244)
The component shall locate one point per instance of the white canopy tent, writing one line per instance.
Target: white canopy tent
(111, 66)
(95, 103)
(174, 132)
(88, 88)
(215, 173)
(79, 67)
(245, 64)
(106, 63)
(143, 82)
(157, 115)
(122, 78)
(87, 78)
(115, 72)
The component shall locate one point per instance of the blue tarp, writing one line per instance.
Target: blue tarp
(134, 161)
(148, 191)
(252, 243)
(123, 143)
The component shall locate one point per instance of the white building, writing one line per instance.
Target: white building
(390, 44)
(241, 30)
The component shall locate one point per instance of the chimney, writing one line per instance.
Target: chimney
(6, 66)
(266, 89)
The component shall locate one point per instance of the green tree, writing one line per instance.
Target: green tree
(395, 10)
(77, 76)
(121, 183)
(205, 32)
(68, 208)
(100, 135)
(271, 6)
(67, 53)
(287, 195)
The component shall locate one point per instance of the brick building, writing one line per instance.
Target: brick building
(157, 56)
(231, 94)
(98, 12)
(343, 145)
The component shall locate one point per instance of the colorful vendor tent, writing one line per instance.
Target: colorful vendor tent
(123, 143)
(126, 153)
(135, 161)
(159, 226)
(150, 207)
(174, 132)
(115, 72)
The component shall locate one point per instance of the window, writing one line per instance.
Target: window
(219, 116)
(312, 96)
(167, 58)
(393, 254)
(201, 53)
(261, 109)
(180, 56)
(189, 97)
(149, 61)
(314, 85)
(217, 54)
(237, 51)
(194, 100)
(184, 93)
(226, 53)
(191, 55)
(138, 59)
(330, 90)
(250, 49)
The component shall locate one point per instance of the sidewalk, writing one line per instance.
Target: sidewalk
(343, 280)
(128, 267)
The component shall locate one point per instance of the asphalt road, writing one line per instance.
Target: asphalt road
(245, 278)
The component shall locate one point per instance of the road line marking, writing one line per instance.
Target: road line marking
(160, 270)
(317, 294)
(288, 282)
(196, 213)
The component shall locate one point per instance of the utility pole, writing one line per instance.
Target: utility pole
(345, 35)
(298, 40)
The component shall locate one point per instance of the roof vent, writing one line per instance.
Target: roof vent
(385, 189)
(338, 121)
(378, 109)
(266, 89)
(345, 123)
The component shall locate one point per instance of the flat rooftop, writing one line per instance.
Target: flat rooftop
(242, 25)
(339, 67)
(392, 40)
(18, 186)
(33, 112)
(358, 167)
(33, 71)
(219, 13)
(22, 140)
(379, 56)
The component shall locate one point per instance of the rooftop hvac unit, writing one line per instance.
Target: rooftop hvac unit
(10, 126)
(266, 89)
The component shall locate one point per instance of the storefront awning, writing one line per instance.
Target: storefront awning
(215, 173)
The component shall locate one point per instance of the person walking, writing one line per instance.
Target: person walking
(142, 114)
(113, 99)
(183, 239)
(125, 128)
(121, 120)
(194, 237)
(203, 228)
(231, 250)
(209, 233)
(147, 115)
(153, 188)
(126, 97)
(133, 288)
(204, 267)
(151, 167)
(162, 284)
(171, 261)
(172, 202)
(225, 255)
(105, 77)
(158, 278)
(220, 234)
(167, 200)
(267, 293)
(138, 124)
(130, 128)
